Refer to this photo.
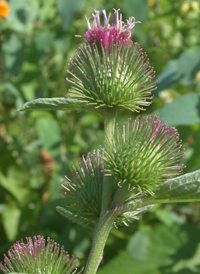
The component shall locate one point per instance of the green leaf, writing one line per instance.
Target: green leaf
(9, 88)
(11, 94)
(13, 51)
(184, 110)
(47, 11)
(10, 219)
(22, 14)
(12, 184)
(124, 263)
(29, 89)
(54, 187)
(50, 135)
(67, 10)
(140, 242)
(169, 217)
(189, 65)
(136, 8)
(185, 188)
(155, 246)
(168, 76)
(74, 218)
(52, 104)
(192, 264)
(148, 251)
(2, 207)
(43, 40)
(129, 213)
(185, 67)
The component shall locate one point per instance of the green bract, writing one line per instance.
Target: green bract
(145, 154)
(118, 77)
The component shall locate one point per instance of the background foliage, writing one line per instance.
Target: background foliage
(37, 148)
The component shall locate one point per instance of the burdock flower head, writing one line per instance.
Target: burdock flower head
(83, 193)
(37, 257)
(109, 71)
(145, 154)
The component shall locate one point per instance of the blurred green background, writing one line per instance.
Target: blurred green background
(37, 148)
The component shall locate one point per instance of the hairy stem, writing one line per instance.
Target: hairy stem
(100, 236)
(107, 218)
(109, 127)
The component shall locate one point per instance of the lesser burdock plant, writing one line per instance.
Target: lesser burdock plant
(135, 167)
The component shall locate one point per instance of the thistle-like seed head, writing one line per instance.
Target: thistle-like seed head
(145, 154)
(36, 256)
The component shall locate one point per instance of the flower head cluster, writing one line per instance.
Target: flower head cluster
(4, 8)
(83, 194)
(118, 32)
(37, 257)
(145, 154)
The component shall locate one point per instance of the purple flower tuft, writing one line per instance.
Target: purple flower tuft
(118, 32)
(37, 257)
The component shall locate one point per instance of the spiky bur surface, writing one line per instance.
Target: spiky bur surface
(144, 155)
(83, 194)
(36, 256)
(118, 78)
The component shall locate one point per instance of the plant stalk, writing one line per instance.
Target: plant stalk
(107, 218)
(109, 128)
(100, 236)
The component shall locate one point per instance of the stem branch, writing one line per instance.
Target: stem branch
(120, 196)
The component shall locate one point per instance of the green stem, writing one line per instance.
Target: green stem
(107, 218)
(100, 236)
(120, 196)
(109, 127)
